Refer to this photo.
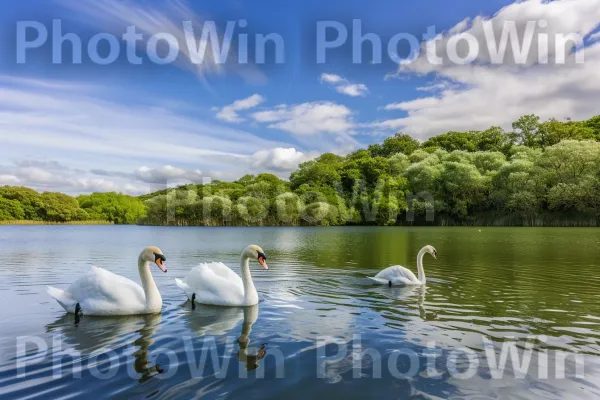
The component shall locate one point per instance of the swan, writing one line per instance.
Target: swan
(398, 275)
(215, 283)
(101, 292)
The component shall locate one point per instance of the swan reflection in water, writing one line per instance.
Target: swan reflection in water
(408, 295)
(215, 320)
(114, 333)
(251, 360)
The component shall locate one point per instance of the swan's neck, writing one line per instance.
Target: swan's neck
(250, 295)
(420, 269)
(153, 299)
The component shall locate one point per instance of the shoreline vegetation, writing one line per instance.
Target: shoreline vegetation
(28, 222)
(539, 174)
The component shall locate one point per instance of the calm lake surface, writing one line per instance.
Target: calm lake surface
(538, 286)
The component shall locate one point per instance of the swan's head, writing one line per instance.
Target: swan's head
(254, 251)
(431, 250)
(155, 255)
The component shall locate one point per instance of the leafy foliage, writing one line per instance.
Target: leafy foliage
(20, 203)
(114, 207)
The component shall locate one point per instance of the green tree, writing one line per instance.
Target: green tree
(462, 187)
(10, 210)
(493, 139)
(452, 141)
(526, 131)
(59, 207)
(322, 171)
(594, 124)
(398, 163)
(30, 200)
(583, 197)
(553, 132)
(488, 162)
(399, 143)
(114, 207)
(571, 161)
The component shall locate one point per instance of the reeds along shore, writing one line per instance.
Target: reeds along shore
(25, 222)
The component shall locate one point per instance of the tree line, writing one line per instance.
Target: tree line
(20, 203)
(541, 173)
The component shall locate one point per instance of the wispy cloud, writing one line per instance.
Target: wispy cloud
(438, 86)
(415, 104)
(89, 124)
(155, 175)
(280, 159)
(332, 79)
(308, 118)
(165, 17)
(343, 86)
(229, 113)
(89, 133)
(54, 176)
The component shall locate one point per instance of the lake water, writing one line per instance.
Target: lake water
(328, 333)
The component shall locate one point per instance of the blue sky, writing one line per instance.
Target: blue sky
(132, 128)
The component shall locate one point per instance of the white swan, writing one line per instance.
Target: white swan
(215, 283)
(398, 275)
(101, 292)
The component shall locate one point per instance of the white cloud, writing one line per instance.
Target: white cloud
(353, 89)
(161, 175)
(6, 179)
(460, 27)
(332, 78)
(280, 159)
(594, 36)
(53, 176)
(229, 113)
(343, 86)
(412, 105)
(481, 94)
(308, 118)
(437, 86)
(561, 18)
(167, 173)
(35, 175)
(89, 185)
(52, 121)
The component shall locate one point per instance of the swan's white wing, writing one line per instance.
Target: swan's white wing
(101, 292)
(65, 299)
(223, 271)
(214, 283)
(397, 275)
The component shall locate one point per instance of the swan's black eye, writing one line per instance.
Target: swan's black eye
(159, 256)
(262, 255)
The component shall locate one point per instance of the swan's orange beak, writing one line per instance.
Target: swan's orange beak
(263, 262)
(159, 262)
